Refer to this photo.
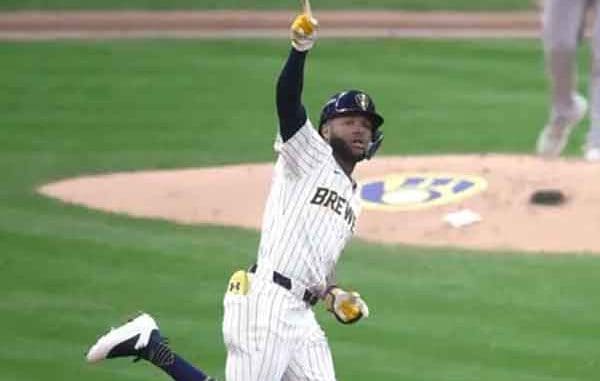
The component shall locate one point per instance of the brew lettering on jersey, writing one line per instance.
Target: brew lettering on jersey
(328, 198)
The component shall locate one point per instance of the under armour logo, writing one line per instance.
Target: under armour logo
(234, 286)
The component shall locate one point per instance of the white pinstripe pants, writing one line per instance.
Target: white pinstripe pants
(271, 335)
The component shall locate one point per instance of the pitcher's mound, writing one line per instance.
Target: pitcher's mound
(405, 198)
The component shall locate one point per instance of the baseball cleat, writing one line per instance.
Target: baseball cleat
(592, 153)
(129, 339)
(555, 135)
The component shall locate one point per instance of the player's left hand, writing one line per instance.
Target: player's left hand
(347, 306)
(304, 29)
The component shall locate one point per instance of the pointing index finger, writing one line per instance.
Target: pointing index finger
(306, 8)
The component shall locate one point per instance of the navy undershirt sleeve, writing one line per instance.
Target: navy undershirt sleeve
(290, 110)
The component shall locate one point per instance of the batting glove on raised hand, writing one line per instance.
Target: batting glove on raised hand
(304, 32)
(347, 306)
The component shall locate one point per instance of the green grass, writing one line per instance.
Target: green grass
(66, 273)
(426, 5)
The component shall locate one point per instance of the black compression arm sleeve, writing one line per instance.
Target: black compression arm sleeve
(290, 110)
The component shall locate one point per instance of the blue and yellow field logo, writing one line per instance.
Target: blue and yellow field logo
(411, 191)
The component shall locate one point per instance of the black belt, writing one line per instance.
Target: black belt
(286, 283)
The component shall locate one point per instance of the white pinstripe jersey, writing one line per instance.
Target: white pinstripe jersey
(310, 213)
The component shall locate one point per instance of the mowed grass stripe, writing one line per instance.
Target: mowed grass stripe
(177, 98)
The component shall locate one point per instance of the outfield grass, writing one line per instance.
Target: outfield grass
(425, 5)
(438, 315)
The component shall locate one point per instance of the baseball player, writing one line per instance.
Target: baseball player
(269, 328)
(563, 25)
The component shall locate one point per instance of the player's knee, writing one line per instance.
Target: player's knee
(556, 40)
(596, 58)
(561, 44)
(595, 70)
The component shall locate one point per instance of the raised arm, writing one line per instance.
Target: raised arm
(290, 110)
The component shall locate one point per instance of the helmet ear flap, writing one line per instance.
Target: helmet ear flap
(374, 144)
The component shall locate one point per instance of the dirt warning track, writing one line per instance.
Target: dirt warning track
(263, 24)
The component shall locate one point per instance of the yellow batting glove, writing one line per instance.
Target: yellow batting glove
(347, 306)
(304, 32)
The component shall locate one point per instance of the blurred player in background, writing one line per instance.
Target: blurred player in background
(563, 28)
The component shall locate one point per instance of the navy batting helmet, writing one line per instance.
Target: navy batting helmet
(354, 102)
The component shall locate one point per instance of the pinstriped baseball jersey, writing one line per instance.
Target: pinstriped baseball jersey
(310, 213)
(272, 334)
